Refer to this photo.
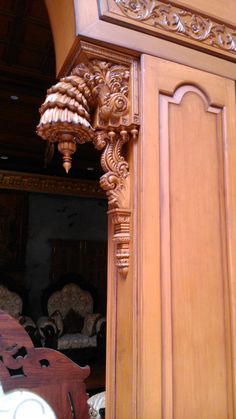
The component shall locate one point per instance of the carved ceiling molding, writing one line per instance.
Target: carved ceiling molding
(162, 18)
(47, 184)
(98, 102)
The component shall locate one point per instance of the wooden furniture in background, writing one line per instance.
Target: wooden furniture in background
(75, 329)
(44, 371)
(87, 258)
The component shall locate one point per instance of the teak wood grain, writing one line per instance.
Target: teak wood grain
(187, 238)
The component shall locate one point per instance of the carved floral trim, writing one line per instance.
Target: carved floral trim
(48, 184)
(108, 84)
(174, 19)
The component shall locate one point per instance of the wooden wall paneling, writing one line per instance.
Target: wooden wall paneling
(149, 398)
(187, 241)
(215, 8)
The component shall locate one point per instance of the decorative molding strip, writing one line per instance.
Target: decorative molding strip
(170, 21)
(121, 222)
(50, 184)
(97, 102)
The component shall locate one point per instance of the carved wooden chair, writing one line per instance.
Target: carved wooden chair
(44, 371)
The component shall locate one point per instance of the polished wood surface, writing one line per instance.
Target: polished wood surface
(44, 371)
(62, 19)
(187, 25)
(90, 25)
(187, 243)
(171, 322)
(217, 8)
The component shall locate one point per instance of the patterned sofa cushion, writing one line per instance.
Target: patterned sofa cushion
(96, 403)
(71, 296)
(10, 302)
(76, 341)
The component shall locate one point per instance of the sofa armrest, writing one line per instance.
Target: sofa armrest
(91, 324)
(101, 339)
(31, 328)
(101, 322)
(48, 332)
(97, 405)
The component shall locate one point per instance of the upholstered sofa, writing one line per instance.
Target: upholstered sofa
(97, 405)
(71, 326)
(12, 303)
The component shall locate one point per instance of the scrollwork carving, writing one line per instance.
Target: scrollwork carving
(108, 84)
(94, 104)
(115, 168)
(116, 183)
(171, 18)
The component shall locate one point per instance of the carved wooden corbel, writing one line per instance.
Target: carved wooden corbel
(97, 102)
(116, 183)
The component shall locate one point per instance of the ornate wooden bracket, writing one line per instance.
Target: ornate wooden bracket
(97, 102)
(116, 183)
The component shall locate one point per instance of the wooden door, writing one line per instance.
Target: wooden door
(187, 233)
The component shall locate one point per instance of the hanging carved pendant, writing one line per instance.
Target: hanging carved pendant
(97, 103)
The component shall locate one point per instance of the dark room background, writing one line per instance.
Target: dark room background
(45, 236)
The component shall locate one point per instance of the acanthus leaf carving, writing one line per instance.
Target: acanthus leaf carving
(157, 13)
(108, 83)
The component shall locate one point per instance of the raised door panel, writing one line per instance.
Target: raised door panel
(190, 164)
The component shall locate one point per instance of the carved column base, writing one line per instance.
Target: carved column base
(121, 237)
